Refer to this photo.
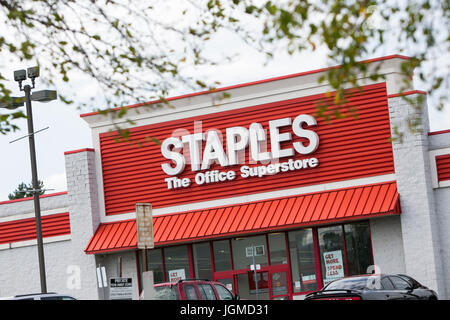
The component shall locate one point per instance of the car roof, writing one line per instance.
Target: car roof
(364, 276)
(382, 275)
(33, 295)
(36, 294)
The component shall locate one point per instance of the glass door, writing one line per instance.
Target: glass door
(271, 283)
(279, 285)
(253, 286)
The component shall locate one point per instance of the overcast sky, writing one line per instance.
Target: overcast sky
(67, 131)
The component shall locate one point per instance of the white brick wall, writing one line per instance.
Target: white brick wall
(419, 222)
(442, 203)
(442, 196)
(387, 244)
(129, 269)
(19, 266)
(20, 269)
(439, 141)
(84, 217)
(68, 269)
(24, 207)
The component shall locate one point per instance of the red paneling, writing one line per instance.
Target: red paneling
(443, 167)
(25, 229)
(285, 213)
(349, 148)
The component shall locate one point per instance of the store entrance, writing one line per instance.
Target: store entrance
(272, 283)
(269, 285)
(260, 266)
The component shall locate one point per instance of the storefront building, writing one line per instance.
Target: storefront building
(255, 190)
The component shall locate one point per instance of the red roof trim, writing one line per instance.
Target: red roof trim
(355, 203)
(406, 93)
(438, 132)
(247, 84)
(79, 150)
(31, 198)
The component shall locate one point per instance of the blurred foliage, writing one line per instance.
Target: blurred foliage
(137, 51)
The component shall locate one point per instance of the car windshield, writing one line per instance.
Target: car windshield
(359, 283)
(166, 293)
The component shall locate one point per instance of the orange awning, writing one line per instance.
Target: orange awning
(339, 205)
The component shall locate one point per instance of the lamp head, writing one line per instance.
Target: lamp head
(44, 95)
(33, 72)
(20, 75)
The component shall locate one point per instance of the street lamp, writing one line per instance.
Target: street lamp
(40, 96)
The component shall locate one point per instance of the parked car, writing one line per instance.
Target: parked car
(374, 287)
(40, 296)
(193, 289)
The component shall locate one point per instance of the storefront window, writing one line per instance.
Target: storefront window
(244, 248)
(176, 263)
(359, 247)
(303, 265)
(202, 261)
(332, 255)
(277, 248)
(222, 257)
(155, 264)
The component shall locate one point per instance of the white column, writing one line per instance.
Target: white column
(419, 222)
(84, 216)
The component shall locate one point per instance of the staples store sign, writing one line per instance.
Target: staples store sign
(256, 149)
(238, 140)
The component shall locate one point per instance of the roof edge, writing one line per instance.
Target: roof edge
(31, 198)
(79, 150)
(246, 84)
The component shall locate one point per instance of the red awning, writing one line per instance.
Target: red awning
(268, 215)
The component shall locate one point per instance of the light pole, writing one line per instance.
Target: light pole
(41, 96)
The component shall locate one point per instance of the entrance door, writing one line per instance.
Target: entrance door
(279, 285)
(272, 283)
(253, 286)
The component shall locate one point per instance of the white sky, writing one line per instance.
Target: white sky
(69, 132)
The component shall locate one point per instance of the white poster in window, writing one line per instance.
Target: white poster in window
(177, 275)
(334, 265)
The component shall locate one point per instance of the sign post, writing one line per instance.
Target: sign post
(255, 274)
(101, 279)
(144, 225)
(148, 285)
